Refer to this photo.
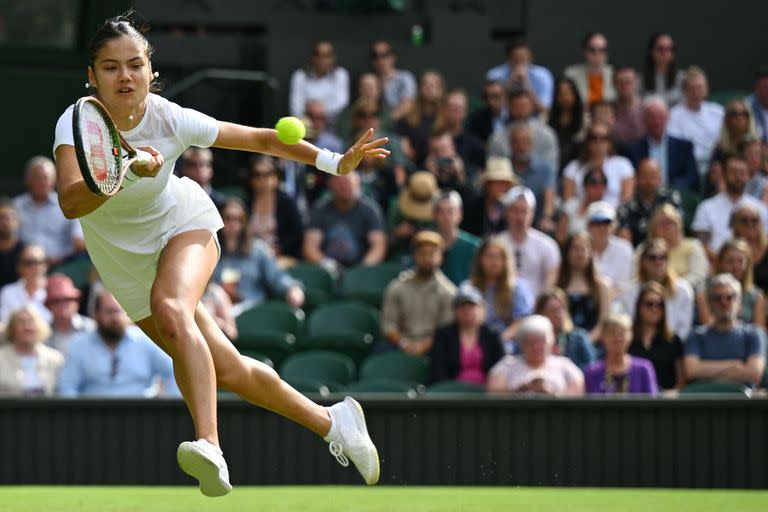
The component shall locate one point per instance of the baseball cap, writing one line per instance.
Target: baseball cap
(516, 193)
(427, 237)
(601, 211)
(468, 294)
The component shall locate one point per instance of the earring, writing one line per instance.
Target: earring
(156, 74)
(87, 85)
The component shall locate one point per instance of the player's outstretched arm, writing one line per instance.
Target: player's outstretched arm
(264, 140)
(75, 198)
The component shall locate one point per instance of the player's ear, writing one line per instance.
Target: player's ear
(91, 78)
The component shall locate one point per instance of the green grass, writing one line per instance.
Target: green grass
(377, 499)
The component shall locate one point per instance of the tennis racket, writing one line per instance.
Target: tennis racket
(103, 154)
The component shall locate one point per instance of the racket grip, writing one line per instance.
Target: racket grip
(142, 157)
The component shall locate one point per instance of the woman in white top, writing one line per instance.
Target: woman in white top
(597, 152)
(155, 248)
(323, 81)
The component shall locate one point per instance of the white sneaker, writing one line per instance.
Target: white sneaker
(204, 461)
(349, 438)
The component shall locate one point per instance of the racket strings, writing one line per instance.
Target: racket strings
(103, 157)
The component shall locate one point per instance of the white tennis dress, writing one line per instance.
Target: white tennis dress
(126, 234)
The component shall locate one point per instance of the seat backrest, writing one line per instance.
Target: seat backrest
(343, 318)
(271, 316)
(323, 365)
(396, 366)
(77, 270)
(715, 386)
(368, 282)
(313, 276)
(455, 386)
(382, 386)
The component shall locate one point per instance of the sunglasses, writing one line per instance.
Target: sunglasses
(654, 304)
(750, 221)
(380, 55)
(737, 113)
(722, 297)
(30, 262)
(665, 49)
(261, 175)
(598, 137)
(595, 182)
(597, 49)
(656, 257)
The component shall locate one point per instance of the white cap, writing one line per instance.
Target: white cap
(601, 211)
(518, 192)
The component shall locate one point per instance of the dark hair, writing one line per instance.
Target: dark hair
(584, 156)
(518, 92)
(390, 49)
(588, 36)
(114, 28)
(649, 70)
(594, 173)
(576, 123)
(662, 329)
(244, 238)
(590, 273)
(516, 42)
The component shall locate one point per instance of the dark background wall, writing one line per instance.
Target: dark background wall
(463, 39)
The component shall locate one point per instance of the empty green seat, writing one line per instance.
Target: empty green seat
(319, 285)
(383, 386)
(77, 270)
(347, 327)
(367, 283)
(270, 329)
(715, 386)
(235, 191)
(323, 365)
(455, 386)
(396, 366)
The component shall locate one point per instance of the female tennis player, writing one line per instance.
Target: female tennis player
(155, 247)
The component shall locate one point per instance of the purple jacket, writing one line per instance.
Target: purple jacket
(641, 378)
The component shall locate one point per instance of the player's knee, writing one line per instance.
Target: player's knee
(169, 317)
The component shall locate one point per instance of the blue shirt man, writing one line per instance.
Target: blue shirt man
(115, 360)
(519, 71)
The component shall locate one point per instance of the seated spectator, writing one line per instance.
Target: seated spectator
(597, 152)
(345, 229)
(494, 115)
(42, 222)
(453, 114)
(418, 300)
(399, 85)
(519, 71)
(756, 155)
(738, 127)
(484, 214)
(367, 89)
(653, 265)
(417, 124)
(413, 212)
(629, 125)
(593, 76)
(27, 366)
(319, 127)
(447, 165)
(678, 167)
(570, 341)
(536, 255)
(216, 300)
(522, 108)
(687, 256)
(10, 245)
(508, 299)
(537, 175)
(747, 225)
(466, 349)
(536, 370)
(63, 300)
(758, 103)
(712, 217)
(274, 217)
(460, 246)
(588, 296)
(567, 119)
(726, 349)
(695, 119)
(660, 74)
(633, 216)
(612, 255)
(619, 372)
(247, 269)
(572, 218)
(30, 288)
(116, 360)
(322, 80)
(735, 259)
(652, 339)
(197, 165)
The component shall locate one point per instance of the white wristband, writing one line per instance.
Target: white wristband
(129, 179)
(328, 161)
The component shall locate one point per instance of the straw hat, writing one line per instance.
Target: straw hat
(416, 200)
(427, 237)
(497, 168)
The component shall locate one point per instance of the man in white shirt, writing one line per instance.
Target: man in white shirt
(612, 254)
(712, 218)
(695, 119)
(536, 255)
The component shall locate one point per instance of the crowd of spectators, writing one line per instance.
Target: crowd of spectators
(597, 229)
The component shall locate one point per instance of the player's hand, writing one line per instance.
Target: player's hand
(361, 148)
(151, 168)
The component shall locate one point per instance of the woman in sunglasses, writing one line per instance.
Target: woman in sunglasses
(597, 152)
(735, 258)
(653, 265)
(738, 125)
(747, 224)
(660, 73)
(652, 339)
(573, 214)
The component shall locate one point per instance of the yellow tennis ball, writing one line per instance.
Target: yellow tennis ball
(290, 130)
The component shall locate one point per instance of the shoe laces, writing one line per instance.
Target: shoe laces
(338, 452)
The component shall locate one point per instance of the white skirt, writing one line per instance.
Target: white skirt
(129, 275)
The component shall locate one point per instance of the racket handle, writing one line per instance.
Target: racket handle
(142, 157)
